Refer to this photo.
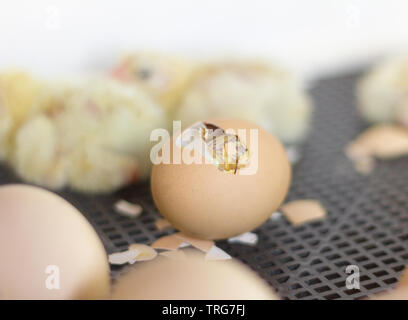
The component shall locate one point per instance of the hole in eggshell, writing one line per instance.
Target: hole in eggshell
(224, 150)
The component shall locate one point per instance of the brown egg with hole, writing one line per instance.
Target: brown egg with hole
(48, 248)
(192, 278)
(220, 178)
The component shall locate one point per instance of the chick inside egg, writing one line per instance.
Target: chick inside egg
(225, 150)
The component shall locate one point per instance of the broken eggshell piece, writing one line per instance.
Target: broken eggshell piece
(248, 238)
(119, 258)
(170, 242)
(127, 209)
(303, 211)
(136, 252)
(162, 224)
(381, 141)
(384, 141)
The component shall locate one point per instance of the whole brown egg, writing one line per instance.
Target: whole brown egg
(237, 177)
(48, 248)
(191, 278)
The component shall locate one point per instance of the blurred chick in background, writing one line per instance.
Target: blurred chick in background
(20, 96)
(93, 138)
(254, 91)
(191, 92)
(383, 92)
(162, 76)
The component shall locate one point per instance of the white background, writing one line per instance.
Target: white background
(309, 36)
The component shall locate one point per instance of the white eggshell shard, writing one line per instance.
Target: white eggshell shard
(216, 253)
(20, 97)
(248, 238)
(49, 250)
(146, 252)
(128, 209)
(120, 258)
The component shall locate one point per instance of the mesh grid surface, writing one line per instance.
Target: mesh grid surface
(367, 222)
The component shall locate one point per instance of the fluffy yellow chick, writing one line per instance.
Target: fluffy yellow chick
(95, 138)
(20, 96)
(36, 156)
(383, 92)
(163, 76)
(254, 91)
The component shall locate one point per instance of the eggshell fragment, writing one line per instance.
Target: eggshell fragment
(248, 238)
(162, 224)
(127, 209)
(136, 252)
(203, 245)
(128, 256)
(381, 141)
(171, 242)
(303, 211)
(216, 253)
(275, 216)
(146, 252)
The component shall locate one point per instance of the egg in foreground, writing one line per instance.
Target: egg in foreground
(192, 278)
(49, 250)
(221, 199)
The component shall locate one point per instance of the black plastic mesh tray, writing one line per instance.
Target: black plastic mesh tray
(367, 222)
